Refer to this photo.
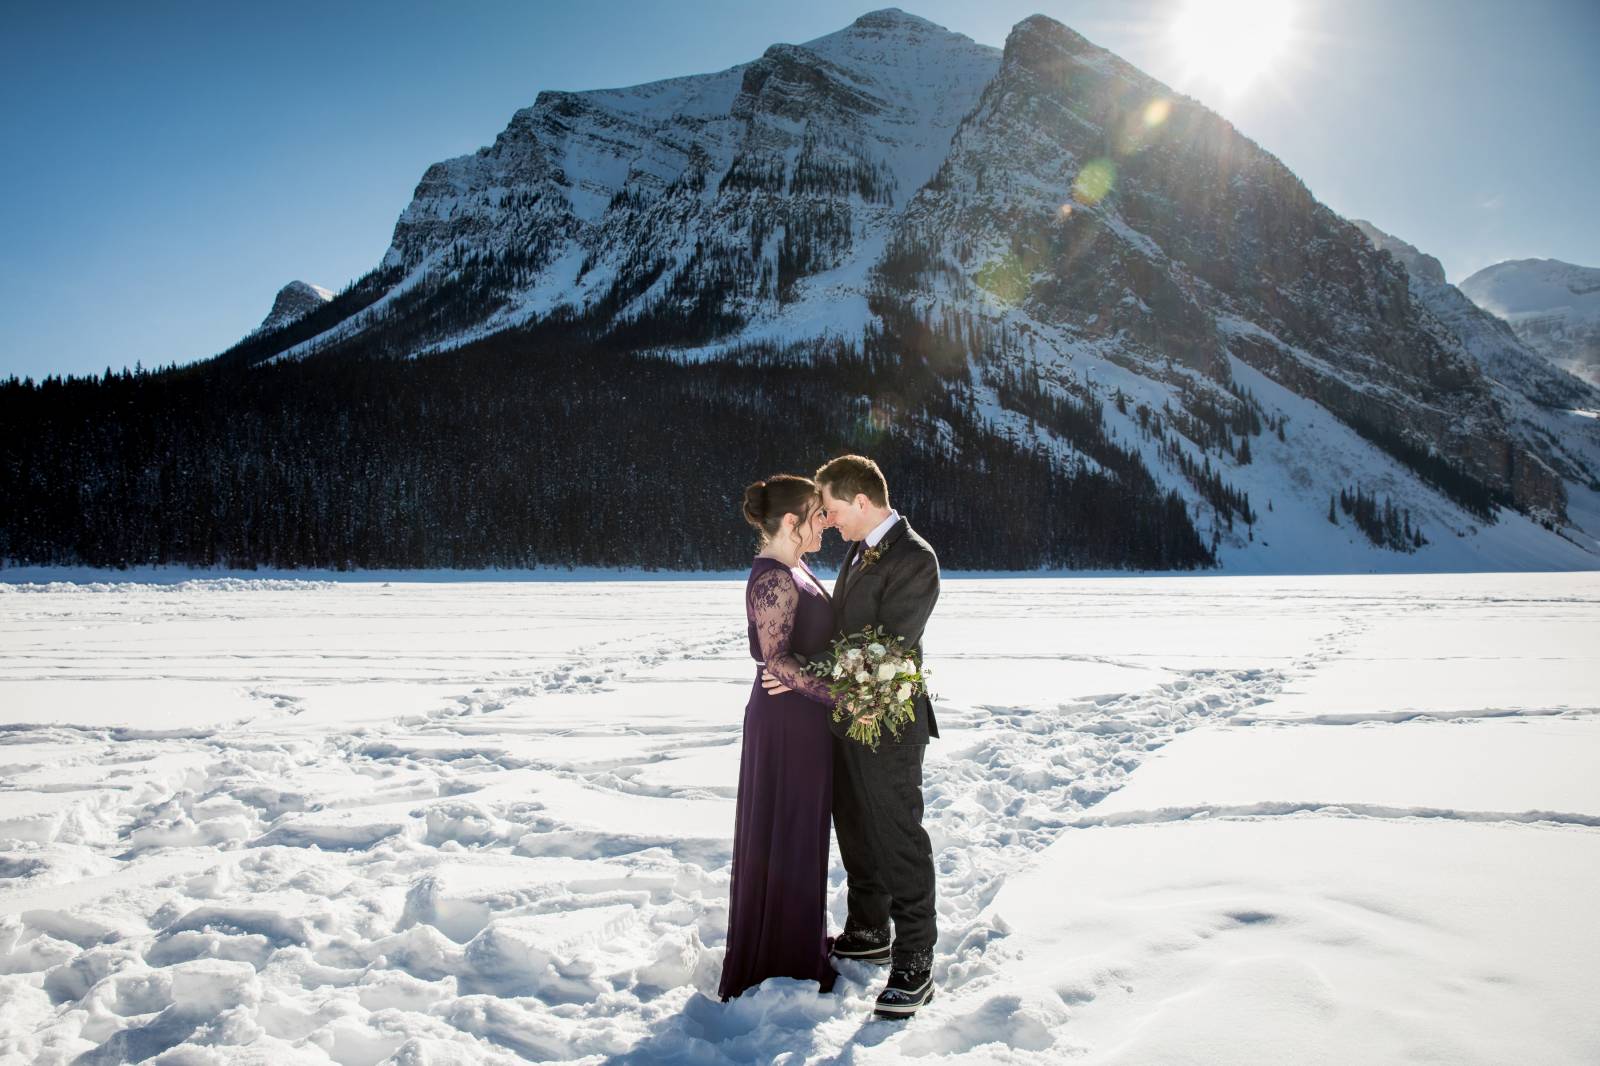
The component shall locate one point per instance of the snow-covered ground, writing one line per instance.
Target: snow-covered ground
(1214, 819)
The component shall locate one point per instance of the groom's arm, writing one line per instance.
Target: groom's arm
(909, 594)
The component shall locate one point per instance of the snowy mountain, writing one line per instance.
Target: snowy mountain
(1552, 412)
(1554, 307)
(697, 206)
(1023, 270)
(294, 301)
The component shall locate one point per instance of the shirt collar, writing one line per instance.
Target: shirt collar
(883, 528)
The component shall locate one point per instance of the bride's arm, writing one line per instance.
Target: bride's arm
(775, 601)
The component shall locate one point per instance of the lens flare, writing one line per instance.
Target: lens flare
(881, 418)
(1094, 181)
(1156, 112)
(1005, 279)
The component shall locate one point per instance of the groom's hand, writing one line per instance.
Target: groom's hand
(773, 686)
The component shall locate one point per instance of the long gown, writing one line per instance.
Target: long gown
(777, 920)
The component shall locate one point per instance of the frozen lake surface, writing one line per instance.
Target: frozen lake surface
(1240, 820)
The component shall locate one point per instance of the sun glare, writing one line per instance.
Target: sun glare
(1231, 42)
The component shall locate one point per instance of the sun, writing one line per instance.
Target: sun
(1231, 42)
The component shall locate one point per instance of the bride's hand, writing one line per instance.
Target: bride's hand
(773, 686)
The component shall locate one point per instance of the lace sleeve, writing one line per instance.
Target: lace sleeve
(775, 600)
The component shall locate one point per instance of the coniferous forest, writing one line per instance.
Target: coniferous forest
(529, 449)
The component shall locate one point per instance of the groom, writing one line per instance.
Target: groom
(890, 578)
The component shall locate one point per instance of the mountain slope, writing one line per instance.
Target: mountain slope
(1144, 247)
(1553, 307)
(690, 208)
(1552, 412)
(1032, 265)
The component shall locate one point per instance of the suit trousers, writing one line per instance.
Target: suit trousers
(877, 816)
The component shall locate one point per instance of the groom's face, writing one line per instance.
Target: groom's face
(845, 516)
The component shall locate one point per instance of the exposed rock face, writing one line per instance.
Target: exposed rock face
(1422, 267)
(721, 188)
(293, 301)
(1541, 400)
(1553, 307)
(1202, 244)
(1046, 210)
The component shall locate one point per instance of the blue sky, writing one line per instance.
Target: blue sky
(169, 166)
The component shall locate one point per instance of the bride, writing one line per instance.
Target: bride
(777, 921)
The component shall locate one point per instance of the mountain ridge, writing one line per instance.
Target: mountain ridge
(1251, 269)
(991, 267)
(1551, 305)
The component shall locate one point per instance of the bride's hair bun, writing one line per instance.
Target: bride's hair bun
(755, 504)
(766, 502)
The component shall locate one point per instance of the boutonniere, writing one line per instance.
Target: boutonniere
(870, 556)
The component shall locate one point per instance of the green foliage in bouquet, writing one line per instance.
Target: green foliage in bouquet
(875, 682)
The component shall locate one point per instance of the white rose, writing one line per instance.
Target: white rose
(903, 693)
(876, 650)
(853, 653)
(838, 669)
(862, 676)
(887, 671)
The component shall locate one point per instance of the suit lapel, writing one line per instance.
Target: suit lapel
(844, 573)
(896, 531)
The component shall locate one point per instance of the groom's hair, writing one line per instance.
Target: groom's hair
(850, 474)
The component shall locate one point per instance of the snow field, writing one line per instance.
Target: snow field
(1197, 819)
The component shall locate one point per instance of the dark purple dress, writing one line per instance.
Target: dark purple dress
(777, 912)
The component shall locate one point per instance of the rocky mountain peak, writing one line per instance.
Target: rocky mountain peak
(292, 302)
(1081, 255)
(894, 20)
(1037, 35)
(1420, 264)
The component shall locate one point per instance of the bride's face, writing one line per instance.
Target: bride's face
(812, 529)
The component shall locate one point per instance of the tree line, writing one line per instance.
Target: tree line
(535, 447)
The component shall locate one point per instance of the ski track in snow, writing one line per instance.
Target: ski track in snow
(475, 876)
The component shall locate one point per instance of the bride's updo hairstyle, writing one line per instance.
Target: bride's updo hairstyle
(766, 502)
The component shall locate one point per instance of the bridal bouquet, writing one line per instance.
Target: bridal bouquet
(875, 682)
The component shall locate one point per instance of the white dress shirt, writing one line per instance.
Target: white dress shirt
(878, 533)
(882, 528)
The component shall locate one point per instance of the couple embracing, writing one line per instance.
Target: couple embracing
(798, 768)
